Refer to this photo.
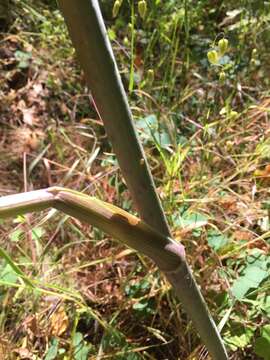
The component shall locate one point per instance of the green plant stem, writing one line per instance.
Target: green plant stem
(187, 39)
(167, 254)
(89, 36)
(131, 77)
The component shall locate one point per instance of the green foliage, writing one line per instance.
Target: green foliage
(255, 270)
(217, 240)
(23, 59)
(239, 336)
(262, 344)
(81, 348)
(53, 34)
(52, 352)
(151, 133)
(114, 341)
(138, 291)
(8, 275)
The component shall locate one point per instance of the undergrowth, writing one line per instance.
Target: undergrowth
(205, 129)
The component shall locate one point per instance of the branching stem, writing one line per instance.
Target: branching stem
(168, 254)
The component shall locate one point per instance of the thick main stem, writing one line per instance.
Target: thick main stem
(89, 36)
(168, 254)
(94, 51)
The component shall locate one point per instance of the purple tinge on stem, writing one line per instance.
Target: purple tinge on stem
(176, 248)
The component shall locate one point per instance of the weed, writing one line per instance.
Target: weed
(206, 135)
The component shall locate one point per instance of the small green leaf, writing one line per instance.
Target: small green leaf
(15, 235)
(14, 267)
(144, 307)
(37, 233)
(262, 344)
(77, 339)
(162, 138)
(137, 289)
(251, 279)
(191, 219)
(262, 348)
(132, 356)
(140, 306)
(239, 336)
(265, 305)
(8, 275)
(266, 332)
(53, 349)
(216, 240)
(81, 349)
(111, 34)
(258, 258)
(151, 131)
(23, 58)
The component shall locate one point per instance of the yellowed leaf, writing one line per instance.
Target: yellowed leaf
(4, 349)
(243, 235)
(59, 322)
(263, 173)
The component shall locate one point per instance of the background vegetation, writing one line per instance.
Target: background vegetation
(205, 129)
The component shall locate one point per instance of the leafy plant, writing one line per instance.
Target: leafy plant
(255, 270)
(262, 344)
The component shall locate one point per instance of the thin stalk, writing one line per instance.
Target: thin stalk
(167, 254)
(131, 77)
(187, 38)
